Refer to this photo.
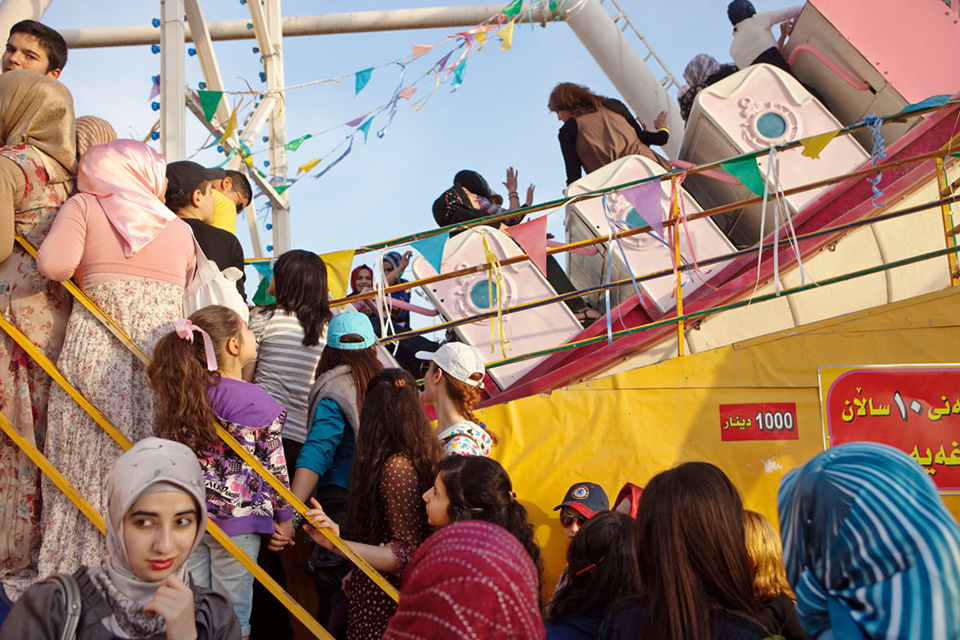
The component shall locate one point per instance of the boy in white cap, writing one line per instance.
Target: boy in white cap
(452, 385)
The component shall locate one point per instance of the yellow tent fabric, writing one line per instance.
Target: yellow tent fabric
(630, 426)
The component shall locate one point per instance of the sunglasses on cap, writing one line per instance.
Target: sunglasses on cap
(568, 518)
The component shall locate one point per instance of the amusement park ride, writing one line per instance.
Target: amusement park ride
(771, 254)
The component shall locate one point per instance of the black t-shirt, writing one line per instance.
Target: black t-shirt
(220, 246)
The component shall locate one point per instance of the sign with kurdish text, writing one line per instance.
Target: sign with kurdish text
(758, 421)
(914, 408)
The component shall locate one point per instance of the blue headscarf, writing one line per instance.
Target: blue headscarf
(869, 548)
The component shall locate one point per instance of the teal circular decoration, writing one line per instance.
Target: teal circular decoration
(771, 125)
(634, 219)
(480, 295)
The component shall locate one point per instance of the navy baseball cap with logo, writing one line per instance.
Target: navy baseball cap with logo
(587, 498)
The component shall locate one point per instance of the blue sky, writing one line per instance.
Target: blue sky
(384, 189)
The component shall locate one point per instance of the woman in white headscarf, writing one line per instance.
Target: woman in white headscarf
(156, 515)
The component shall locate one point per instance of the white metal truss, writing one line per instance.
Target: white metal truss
(622, 20)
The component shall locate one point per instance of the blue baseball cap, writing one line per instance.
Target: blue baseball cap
(350, 331)
(587, 498)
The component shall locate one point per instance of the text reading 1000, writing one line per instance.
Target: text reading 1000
(774, 421)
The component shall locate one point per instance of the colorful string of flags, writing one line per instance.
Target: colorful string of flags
(447, 70)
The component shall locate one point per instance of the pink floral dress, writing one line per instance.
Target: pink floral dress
(39, 308)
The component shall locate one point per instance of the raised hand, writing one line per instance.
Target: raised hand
(660, 122)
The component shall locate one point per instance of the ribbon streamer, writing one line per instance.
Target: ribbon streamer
(878, 153)
(495, 281)
(780, 207)
(337, 161)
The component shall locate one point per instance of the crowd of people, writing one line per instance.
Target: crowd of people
(866, 547)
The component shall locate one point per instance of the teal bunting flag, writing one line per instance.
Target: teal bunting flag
(458, 73)
(265, 269)
(363, 77)
(746, 171)
(432, 249)
(365, 127)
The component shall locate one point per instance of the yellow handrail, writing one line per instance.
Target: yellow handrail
(248, 563)
(47, 467)
(247, 457)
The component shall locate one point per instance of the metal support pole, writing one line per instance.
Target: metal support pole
(353, 22)
(173, 142)
(625, 67)
(273, 63)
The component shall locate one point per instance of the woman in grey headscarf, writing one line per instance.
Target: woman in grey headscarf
(156, 515)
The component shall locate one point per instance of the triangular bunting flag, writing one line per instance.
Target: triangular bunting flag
(365, 127)
(506, 34)
(746, 171)
(280, 188)
(532, 238)
(265, 269)
(338, 271)
(813, 145)
(512, 9)
(261, 297)
(432, 249)
(155, 89)
(481, 38)
(363, 77)
(443, 61)
(458, 72)
(356, 121)
(209, 101)
(231, 125)
(926, 103)
(646, 199)
(309, 165)
(407, 92)
(421, 49)
(293, 145)
(248, 160)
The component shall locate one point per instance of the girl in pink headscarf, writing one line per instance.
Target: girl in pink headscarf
(134, 257)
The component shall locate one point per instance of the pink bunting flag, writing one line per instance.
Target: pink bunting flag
(421, 49)
(645, 199)
(155, 89)
(532, 238)
(407, 92)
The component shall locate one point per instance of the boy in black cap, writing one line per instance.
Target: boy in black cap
(583, 501)
(190, 196)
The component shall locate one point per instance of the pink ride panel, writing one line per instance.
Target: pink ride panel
(526, 331)
(753, 109)
(648, 252)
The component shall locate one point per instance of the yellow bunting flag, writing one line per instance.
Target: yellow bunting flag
(506, 34)
(813, 145)
(338, 271)
(248, 160)
(481, 37)
(231, 125)
(310, 165)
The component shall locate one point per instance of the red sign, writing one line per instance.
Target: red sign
(915, 409)
(758, 421)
